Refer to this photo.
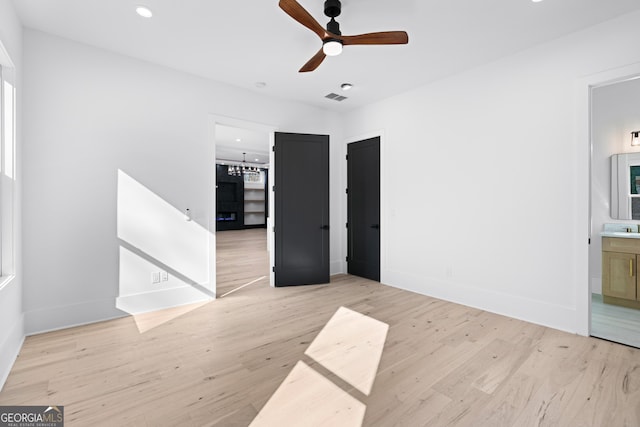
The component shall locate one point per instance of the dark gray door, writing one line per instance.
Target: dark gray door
(301, 209)
(363, 205)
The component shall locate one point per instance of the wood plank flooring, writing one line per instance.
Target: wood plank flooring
(241, 258)
(219, 364)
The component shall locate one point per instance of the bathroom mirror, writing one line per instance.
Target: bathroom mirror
(625, 186)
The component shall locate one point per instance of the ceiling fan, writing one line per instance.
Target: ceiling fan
(332, 38)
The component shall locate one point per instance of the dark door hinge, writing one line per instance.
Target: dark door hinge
(346, 190)
(273, 268)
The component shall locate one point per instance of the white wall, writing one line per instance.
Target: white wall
(615, 113)
(11, 312)
(486, 193)
(90, 113)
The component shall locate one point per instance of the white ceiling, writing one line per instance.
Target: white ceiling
(233, 142)
(242, 42)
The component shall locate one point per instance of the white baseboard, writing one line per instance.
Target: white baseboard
(161, 299)
(55, 318)
(68, 316)
(530, 310)
(10, 349)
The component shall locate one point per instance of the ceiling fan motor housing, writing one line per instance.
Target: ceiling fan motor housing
(334, 27)
(332, 8)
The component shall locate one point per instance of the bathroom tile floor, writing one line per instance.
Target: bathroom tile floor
(614, 323)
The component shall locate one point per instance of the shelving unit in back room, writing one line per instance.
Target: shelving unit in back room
(255, 201)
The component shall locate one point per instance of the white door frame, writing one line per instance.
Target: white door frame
(244, 124)
(582, 165)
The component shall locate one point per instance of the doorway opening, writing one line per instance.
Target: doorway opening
(613, 257)
(242, 164)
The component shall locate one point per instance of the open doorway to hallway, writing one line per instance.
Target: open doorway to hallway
(242, 209)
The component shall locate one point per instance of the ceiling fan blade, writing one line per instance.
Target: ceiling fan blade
(299, 13)
(384, 37)
(314, 62)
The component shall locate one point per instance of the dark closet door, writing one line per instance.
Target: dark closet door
(301, 209)
(363, 205)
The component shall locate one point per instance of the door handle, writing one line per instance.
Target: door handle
(376, 226)
(630, 268)
(325, 227)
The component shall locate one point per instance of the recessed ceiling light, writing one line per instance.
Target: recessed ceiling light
(346, 86)
(143, 11)
(257, 160)
(238, 140)
(536, 1)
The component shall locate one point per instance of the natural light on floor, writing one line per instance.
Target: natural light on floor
(306, 398)
(147, 321)
(350, 346)
(243, 286)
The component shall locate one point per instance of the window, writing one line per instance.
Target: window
(7, 173)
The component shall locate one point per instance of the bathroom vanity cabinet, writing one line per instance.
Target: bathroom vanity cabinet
(620, 284)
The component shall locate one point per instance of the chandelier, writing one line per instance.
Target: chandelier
(239, 170)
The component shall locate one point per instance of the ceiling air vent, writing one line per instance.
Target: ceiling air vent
(336, 97)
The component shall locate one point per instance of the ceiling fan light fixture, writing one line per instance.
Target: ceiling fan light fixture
(332, 47)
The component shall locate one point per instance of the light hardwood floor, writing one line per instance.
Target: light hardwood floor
(241, 258)
(442, 364)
